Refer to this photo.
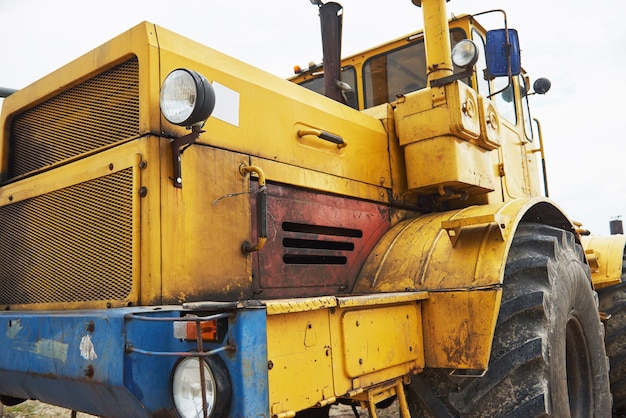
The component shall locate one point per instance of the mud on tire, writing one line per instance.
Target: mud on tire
(613, 303)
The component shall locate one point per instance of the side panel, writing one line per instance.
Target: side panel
(317, 243)
(203, 226)
(321, 349)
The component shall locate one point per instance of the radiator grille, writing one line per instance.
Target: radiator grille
(70, 245)
(99, 112)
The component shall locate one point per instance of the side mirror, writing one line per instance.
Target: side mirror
(498, 51)
(542, 85)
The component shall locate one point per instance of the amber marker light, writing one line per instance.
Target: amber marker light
(188, 330)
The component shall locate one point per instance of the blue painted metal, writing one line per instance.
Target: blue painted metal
(82, 360)
(247, 365)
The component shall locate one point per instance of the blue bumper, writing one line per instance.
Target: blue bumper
(118, 362)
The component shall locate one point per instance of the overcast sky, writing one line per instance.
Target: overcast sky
(578, 45)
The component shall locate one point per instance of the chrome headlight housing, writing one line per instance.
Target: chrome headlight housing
(187, 97)
(465, 54)
(187, 387)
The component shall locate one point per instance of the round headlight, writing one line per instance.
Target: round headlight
(187, 97)
(187, 388)
(465, 54)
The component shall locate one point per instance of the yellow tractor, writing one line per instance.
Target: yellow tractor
(184, 235)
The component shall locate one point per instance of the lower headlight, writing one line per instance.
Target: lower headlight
(186, 97)
(187, 388)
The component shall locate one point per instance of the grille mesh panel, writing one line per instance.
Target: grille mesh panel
(70, 245)
(99, 112)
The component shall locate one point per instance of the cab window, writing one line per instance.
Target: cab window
(399, 71)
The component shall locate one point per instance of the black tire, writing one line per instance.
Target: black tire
(10, 401)
(548, 357)
(613, 303)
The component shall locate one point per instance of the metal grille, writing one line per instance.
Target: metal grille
(70, 245)
(99, 112)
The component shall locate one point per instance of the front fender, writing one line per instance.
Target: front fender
(459, 258)
(605, 256)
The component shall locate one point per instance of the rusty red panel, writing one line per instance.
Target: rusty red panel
(316, 243)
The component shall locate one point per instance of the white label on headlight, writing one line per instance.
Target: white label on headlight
(226, 104)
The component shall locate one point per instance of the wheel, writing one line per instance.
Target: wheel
(613, 303)
(547, 357)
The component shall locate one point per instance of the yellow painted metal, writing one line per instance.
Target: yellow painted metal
(365, 353)
(439, 129)
(448, 163)
(437, 39)
(380, 299)
(490, 135)
(132, 156)
(459, 326)
(203, 225)
(284, 306)
(315, 180)
(432, 112)
(605, 255)
(300, 371)
(379, 393)
(459, 258)
(245, 118)
(140, 41)
(368, 346)
(385, 113)
(340, 346)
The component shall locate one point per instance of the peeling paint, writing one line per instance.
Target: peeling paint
(52, 349)
(13, 329)
(87, 349)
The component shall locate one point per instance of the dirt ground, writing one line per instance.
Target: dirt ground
(34, 409)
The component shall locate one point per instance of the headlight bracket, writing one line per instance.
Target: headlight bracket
(179, 145)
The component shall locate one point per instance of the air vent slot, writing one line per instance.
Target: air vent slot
(317, 244)
(313, 259)
(320, 245)
(321, 230)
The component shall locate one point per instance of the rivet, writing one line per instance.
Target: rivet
(90, 326)
(89, 371)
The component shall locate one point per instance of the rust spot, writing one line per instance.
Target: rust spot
(90, 326)
(89, 371)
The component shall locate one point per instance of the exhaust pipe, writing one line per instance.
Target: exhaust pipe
(331, 20)
(616, 226)
(6, 92)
